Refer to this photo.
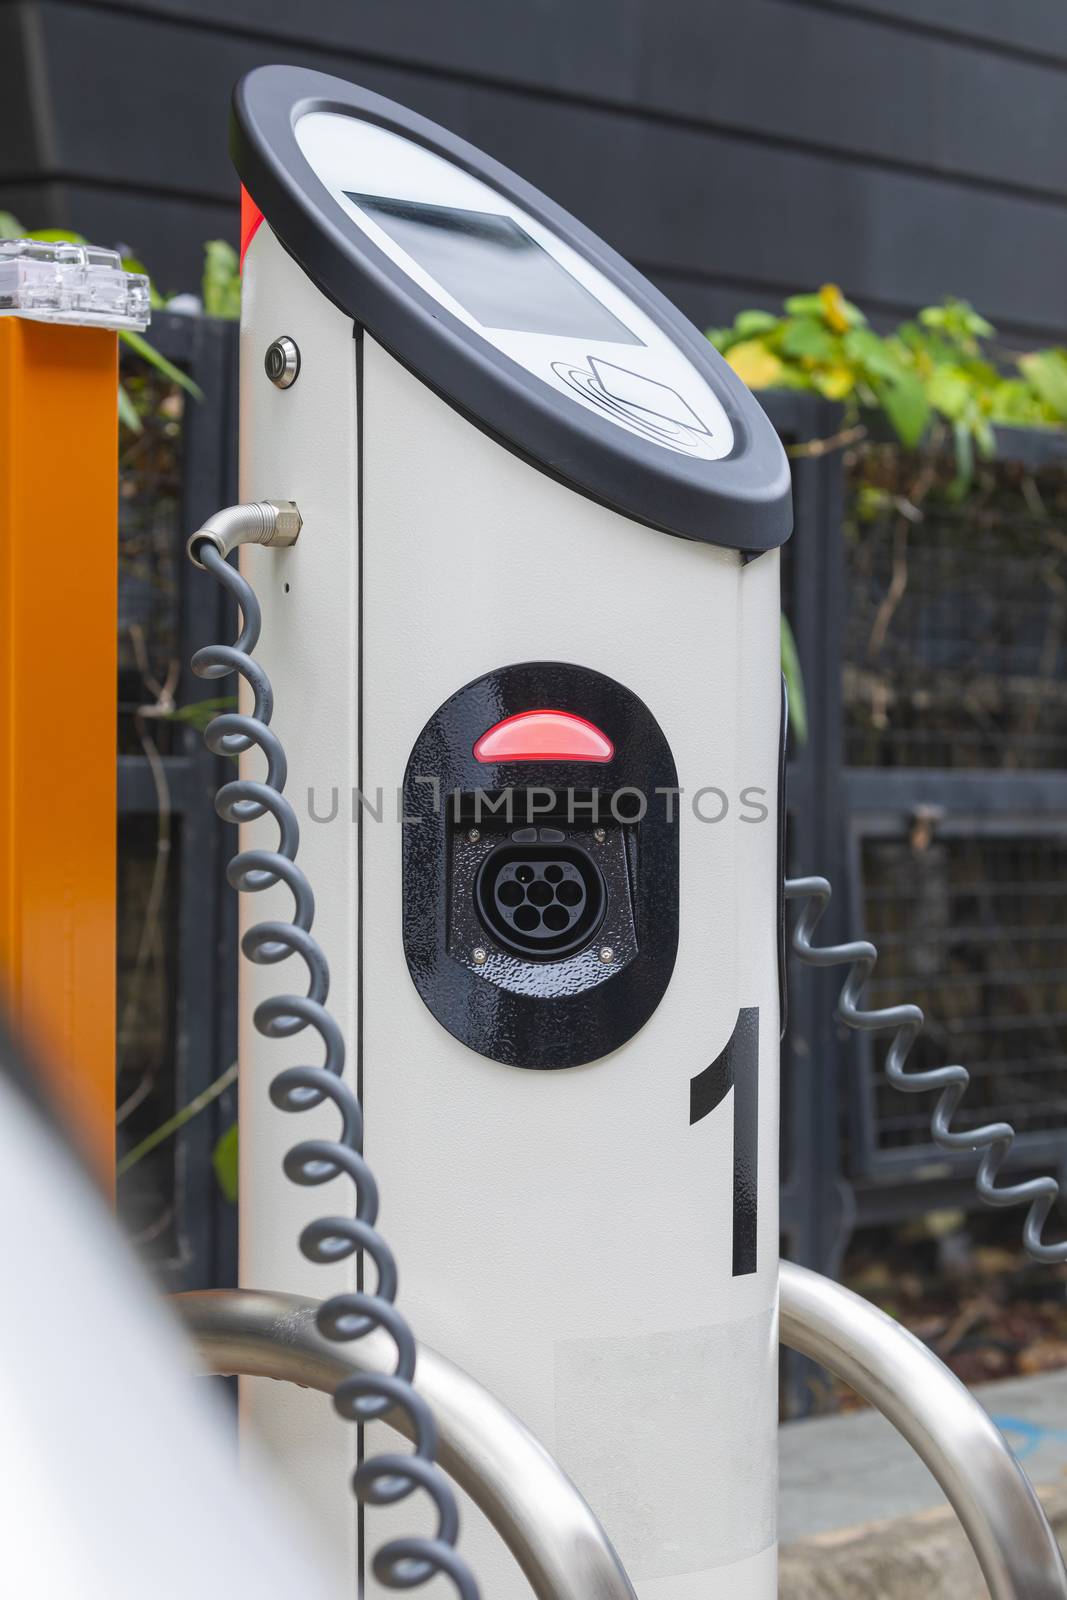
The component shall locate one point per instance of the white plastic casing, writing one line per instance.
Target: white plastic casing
(566, 1236)
(641, 381)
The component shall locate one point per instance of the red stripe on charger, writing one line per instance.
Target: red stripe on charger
(251, 217)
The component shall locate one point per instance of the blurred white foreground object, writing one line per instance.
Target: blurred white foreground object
(120, 1481)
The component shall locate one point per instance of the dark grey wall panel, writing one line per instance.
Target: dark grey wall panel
(168, 232)
(22, 115)
(736, 149)
(678, 199)
(1034, 27)
(771, 68)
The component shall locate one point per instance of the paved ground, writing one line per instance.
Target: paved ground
(860, 1518)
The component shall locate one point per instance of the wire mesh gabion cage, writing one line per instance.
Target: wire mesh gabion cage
(150, 527)
(149, 549)
(956, 636)
(954, 680)
(974, 930)
(176, 944)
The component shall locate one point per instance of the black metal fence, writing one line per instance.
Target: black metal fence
(177, 923)
(932, 789)
(932, 630)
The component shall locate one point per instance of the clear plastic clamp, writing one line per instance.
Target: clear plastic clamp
(72, 283)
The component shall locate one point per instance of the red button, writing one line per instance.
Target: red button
(544, 736)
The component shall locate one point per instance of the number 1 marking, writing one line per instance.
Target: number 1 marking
(737, 1068)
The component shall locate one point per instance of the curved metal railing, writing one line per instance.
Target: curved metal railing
(541, 1516)
(941, 1420)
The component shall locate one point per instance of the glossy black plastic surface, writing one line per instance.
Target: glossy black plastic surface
(537, 1007)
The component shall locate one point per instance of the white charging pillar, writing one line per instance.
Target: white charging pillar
(527, 487)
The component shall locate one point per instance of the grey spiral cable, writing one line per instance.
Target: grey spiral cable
(906, 1022)
(384, 1479)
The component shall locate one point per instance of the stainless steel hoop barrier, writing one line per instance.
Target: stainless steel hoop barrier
(940, 1419)
(552, 1532)
(542, 1518)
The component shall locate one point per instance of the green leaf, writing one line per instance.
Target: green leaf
(840, 313)
(128, 413)
(747, 323)
(57, 236)
(11, 227)
(982, 374)
(978, 325)
(721, 338)
(200, 712)
(916, 340)
(950, 391)
(807, 338)
(828, 305)
(836, 382)
(904, 403)
(150, 354)
(805, 305)
(1012, 400)
(985, 438)
(794, 684)
(874, 354)
(1046, 371)
(964, 442)
(871, 502)
(932, 367)
(221, 282)
(797, 378)
(174, 1124)
(224, 1161)
(958, 319)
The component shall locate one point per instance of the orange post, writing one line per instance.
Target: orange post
(58, 588)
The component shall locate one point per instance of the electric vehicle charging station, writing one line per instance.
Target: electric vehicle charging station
(529, 919)
(533, 615)
(531, 719)
(529, 628)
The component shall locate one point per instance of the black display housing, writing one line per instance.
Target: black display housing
(741, 502)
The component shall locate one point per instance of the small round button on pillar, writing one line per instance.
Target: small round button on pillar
(282, 362)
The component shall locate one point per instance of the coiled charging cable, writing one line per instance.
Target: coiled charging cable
(906, 1023)
(384, 1479)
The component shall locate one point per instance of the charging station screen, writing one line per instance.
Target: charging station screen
(492, 266)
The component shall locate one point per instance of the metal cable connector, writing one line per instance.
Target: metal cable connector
(273, 522)
(905, 1023)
